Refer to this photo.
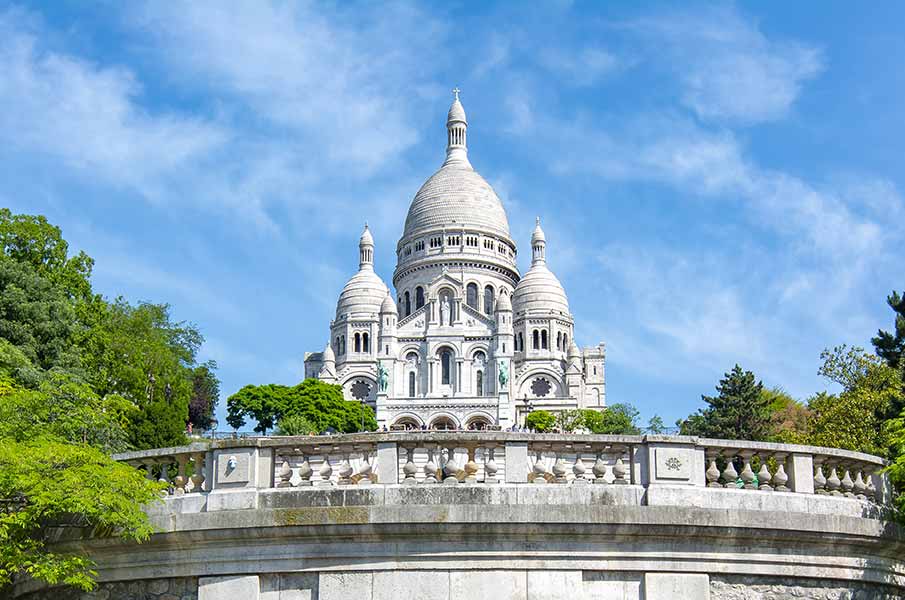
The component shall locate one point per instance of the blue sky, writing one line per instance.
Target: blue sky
(719, 183)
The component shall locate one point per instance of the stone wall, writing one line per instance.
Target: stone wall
(173, 588)
(763, 588)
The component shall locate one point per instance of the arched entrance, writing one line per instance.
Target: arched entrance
(444, 423)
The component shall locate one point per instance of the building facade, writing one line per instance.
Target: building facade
(467, 341)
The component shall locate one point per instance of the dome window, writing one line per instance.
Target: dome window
(471, 295)
(488, 300)
(479, 383)
(361, 390)
(446, 367)
(419, 297)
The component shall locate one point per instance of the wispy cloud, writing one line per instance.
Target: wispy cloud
(728, 69)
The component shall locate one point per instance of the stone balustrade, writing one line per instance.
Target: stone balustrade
(488, 458)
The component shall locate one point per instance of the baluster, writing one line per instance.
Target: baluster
(600, 468)
(780, 477)
(747, 475)
(285, 474)
(847, 483)
(490, 467)
(471, 467)
(871, 492)
(451, 468)
(180, 480)
(149, 471)
(305, 472)
(365, 475)
(164, 478)
(763, 475)
(833, 483)
(620, 472)
(729, 477)
(819, 477)
(430, 469)
(860, 488)
(539, 470)
(409, 469)
(345, 471)
(578, 469)
(713, 472)
(560, 471)
(198, 474)
(326, 471)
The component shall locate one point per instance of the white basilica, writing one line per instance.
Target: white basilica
(468, 341)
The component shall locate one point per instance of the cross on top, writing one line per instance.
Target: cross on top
(456, 91)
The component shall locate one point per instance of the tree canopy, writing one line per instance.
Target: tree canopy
(321, 404)
(739, 411)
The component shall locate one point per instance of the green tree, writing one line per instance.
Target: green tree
(739, 411)
(48, 483)
(205, 396)
(569, 420)
(540, 420)
(853, 420)
(321, 404)
(296, 425)
(891, 348)
(656, 425)
(789, 418)
(616, 419)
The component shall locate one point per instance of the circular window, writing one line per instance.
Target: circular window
(361, 390)
(540, 387)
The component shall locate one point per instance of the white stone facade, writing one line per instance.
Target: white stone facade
(468, 341)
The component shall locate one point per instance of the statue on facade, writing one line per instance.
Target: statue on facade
(504, 374)
(444, 312)
(383, 378)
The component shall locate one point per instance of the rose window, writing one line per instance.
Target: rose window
(361, 390)
(540, 387)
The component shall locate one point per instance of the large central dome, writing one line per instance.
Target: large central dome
(456, 196)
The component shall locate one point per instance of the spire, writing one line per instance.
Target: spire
(456, 132)
(366, 250)
(538, 244)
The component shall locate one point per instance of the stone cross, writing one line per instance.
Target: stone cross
(456, 91)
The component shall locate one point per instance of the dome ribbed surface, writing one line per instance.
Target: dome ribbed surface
(364, 293)
(388, 306)
(540, 292)
(456, 196)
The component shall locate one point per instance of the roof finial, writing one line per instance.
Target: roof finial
(456, 91)
(536, 222)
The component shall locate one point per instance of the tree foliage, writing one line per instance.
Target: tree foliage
(891, 348)
(615, 419)
(853, 419)
(205, 396)
(540, 420)
(321, 404)
(740, 411)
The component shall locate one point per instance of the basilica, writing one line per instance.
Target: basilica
(467, 341)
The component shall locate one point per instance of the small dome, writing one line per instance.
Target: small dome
(574, 352)
(366, 237)
(362, 295)
(540, 293)
(329, 356)
(538, 234)
(503, 303)
(456, 112)
(388, 307)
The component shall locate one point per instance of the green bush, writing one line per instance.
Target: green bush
(540, 421)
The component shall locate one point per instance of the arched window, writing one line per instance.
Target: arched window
(446, 367)
(336, 346)
(357, 343)
(471, 295)
(535, 340)
(408, 304)
(543, 339)
(342, 344)
(520, 340)
(488, 300)
(559, 340)
(479, 357)
(565, 342)
(479, 383)
(364, 343)
(419, 297)
(411, 384)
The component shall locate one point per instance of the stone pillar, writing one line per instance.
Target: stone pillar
(801, 473)
(672, 586)
(516, 462)
(236, 475)
(387, 463)
(230, 587)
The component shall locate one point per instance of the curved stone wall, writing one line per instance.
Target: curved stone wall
(272, 519)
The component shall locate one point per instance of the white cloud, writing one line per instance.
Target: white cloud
(583, 67)
(89, 116)
(727, 68)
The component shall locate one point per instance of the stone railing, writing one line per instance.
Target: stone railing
(488, 458)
